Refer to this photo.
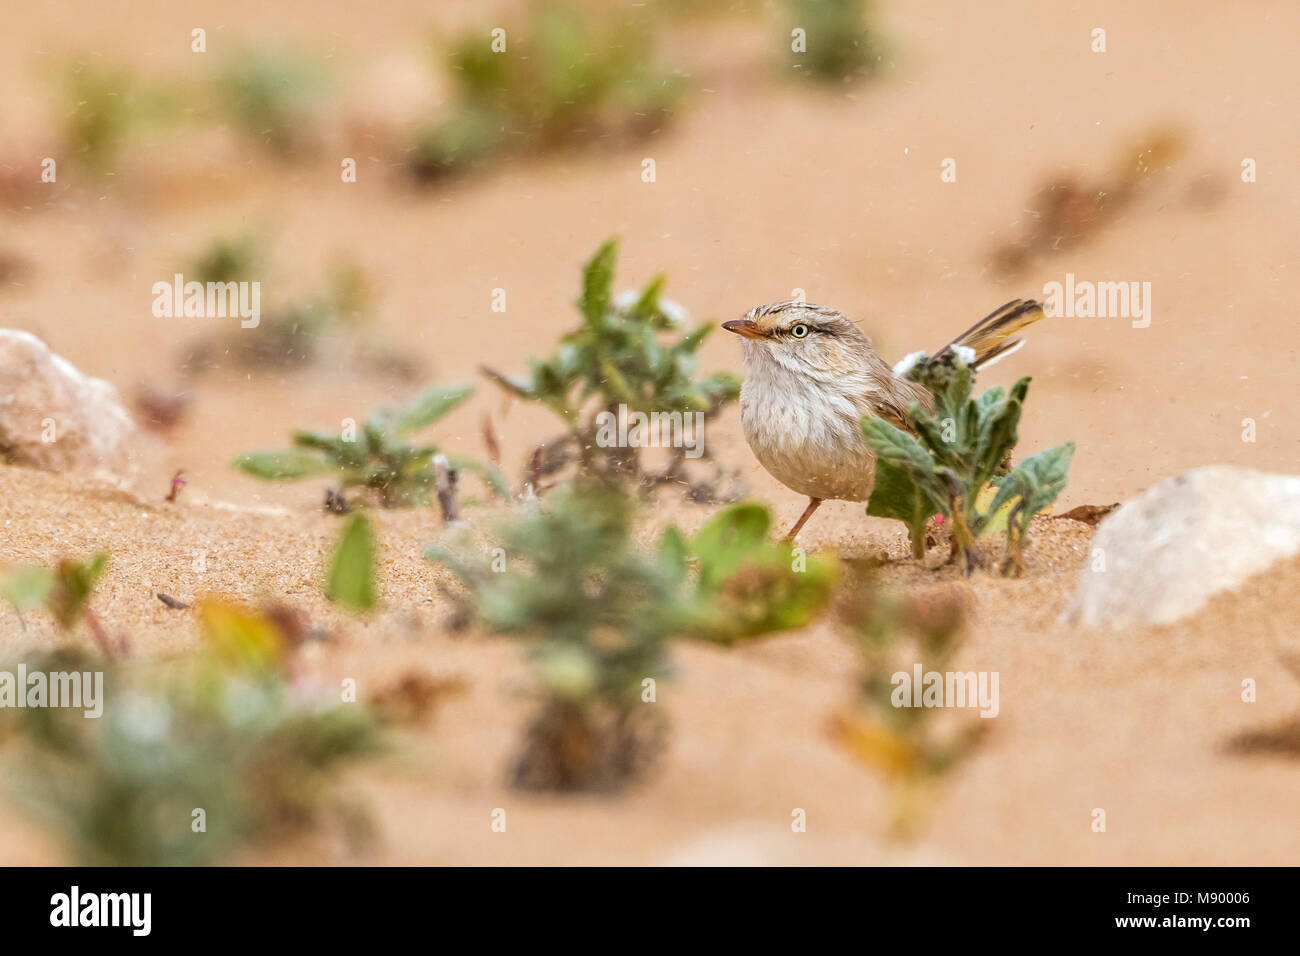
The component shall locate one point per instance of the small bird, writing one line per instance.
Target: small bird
(813, 376)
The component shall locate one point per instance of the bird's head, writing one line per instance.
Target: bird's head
(808, 339)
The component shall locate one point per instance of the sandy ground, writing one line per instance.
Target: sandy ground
(763, 187)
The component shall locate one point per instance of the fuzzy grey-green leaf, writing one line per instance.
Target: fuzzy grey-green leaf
(351, 577)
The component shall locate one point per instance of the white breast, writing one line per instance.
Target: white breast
(806, 432)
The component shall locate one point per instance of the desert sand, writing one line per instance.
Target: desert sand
(763, 187)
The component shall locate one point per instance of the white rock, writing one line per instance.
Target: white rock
(44, 397)
(1184, 540)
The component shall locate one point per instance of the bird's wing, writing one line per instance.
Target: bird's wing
(891, 403)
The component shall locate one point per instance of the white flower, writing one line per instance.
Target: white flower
(965, 354)
(907, 363)
(673, 312)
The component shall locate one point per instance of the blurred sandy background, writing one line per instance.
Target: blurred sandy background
(763, 186)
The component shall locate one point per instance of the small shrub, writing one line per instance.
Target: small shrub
(290, 333)
(945, 464)
(841, 43)
(912, 746)
(600, 611)
(228, 258)
(227, 734)
(571, 77)
(274, 98)
(381, 457)
(618, 357)
(105, 106)
(64, 590)
(744, 583)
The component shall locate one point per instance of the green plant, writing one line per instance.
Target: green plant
(105, 105)
(274, 97)
(569, 576)
(945, 464)
(289, 333)
(102, 115)
(840, 42)
(616, 362)
(899, 638)
(350, 579)
(189, 761)
(64, 590)
(571, 76)
(228, 258)
(381, 457)
(744, 584)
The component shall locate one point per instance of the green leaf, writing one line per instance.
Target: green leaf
(648, 304)
(598, 283)
(908, 487)
(430, 406)
(26, 586)
(727, 538)
(997, 433)
(351, 577)
(617, 385)
(898, 448)
(515, 384)
(1036, 481)
(673, 554)
(689, 343)
(281, 465)
(74, 582)
(318, 440)
(932, 432)
(897, 495)
(747, 585)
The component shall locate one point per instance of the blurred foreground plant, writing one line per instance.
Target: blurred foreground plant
(189, 760)
(381, 457)
(899, 638)
(570, 76)
(615, 365)
(351, 577)
(63, 590)
(569, 575)
(739, 582)
(947, 461)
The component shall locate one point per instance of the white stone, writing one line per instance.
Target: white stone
(1168, 551)
(44, 396)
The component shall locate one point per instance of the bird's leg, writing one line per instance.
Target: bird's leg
(813, 505)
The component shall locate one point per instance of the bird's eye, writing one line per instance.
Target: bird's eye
(799, 331)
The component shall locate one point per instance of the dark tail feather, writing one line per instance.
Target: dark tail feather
(998, 333)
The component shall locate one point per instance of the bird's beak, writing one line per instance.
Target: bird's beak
(744, 327)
